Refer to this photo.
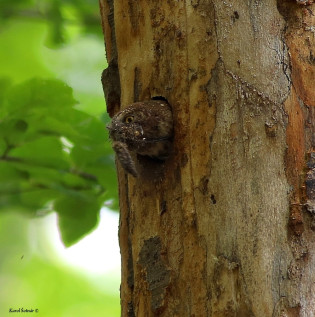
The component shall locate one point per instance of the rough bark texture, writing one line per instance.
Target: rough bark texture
(225, 227)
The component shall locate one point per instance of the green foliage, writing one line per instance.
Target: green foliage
(54, 291)
(58, 14)
(44, 283)
(53, 156)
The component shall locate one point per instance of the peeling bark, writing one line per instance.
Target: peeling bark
(225, 226)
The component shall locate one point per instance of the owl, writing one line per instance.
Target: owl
(144, 128)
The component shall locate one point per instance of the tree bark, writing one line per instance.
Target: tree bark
(225, 227)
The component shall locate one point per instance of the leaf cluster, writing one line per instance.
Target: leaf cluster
(53, 156)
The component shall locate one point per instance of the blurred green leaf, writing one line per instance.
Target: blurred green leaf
(54, 155)
(49, 94)
(43, 151)
(77, 215)
(3, 147)
(21, 44)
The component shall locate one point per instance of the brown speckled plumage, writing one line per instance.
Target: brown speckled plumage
(145, 128)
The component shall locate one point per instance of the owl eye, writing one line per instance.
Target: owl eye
(129, 119)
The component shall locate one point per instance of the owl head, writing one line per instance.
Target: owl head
(126, 125)
(142, 122)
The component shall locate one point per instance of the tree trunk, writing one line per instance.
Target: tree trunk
(225, 227)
